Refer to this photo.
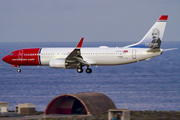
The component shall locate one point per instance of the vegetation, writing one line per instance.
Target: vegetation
(4, 116)
(36, 113)
(39, 113)
(134, 115)
(155, 115)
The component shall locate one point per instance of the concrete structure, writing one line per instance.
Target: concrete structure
(119, 114)
(80, 103)
(25, 108)
(4, 107)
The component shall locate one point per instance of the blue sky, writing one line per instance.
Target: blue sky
(95, 20)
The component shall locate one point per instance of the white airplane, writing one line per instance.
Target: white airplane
(77, 58)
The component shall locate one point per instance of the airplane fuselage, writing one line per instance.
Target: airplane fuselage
(78, 57)
(95, 56)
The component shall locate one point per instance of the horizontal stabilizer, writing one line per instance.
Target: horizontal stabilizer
(170, 49)
(154, 50)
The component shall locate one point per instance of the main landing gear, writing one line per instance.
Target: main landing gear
(80, 70)
(88, 70)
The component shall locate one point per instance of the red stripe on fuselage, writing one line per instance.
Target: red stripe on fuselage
(24, 57)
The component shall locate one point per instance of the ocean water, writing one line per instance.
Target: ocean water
(147, 85)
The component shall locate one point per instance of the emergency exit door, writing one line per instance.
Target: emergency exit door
(134, 54)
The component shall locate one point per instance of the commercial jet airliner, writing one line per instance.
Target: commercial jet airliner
(77, 58)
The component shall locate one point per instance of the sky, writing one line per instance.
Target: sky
(95, 20)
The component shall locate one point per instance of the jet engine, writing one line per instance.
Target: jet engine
(57, 63)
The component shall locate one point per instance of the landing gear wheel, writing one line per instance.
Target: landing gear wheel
(19, 70)
(88, 70)
(79, 70)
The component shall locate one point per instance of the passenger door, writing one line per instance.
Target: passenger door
(134, 54)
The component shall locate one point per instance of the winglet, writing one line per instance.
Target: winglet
(80, 43)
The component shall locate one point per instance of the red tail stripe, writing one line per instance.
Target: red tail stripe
(163, 17)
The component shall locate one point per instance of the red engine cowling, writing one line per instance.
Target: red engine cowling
(57, 63)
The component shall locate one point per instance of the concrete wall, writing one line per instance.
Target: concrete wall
(26, 108)
(119, 114)
(4, 106)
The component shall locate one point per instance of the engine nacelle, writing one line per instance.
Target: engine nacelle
(57, 63)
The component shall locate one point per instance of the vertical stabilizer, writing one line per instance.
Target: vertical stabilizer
(154, 36)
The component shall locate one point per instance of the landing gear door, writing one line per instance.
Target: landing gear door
(134, 54)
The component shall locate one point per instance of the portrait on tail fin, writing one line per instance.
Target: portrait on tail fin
(156, 42)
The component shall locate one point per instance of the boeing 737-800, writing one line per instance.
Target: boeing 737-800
(77, 58)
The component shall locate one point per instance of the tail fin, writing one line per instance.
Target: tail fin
(154, 36)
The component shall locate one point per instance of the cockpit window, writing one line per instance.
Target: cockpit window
(11, 53)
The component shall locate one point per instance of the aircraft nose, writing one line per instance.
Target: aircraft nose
(5, 59)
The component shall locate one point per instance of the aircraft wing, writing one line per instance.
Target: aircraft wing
(75, 58)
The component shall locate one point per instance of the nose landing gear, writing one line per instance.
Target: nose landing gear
(19, 69)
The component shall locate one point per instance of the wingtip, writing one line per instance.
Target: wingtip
(82, 38)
